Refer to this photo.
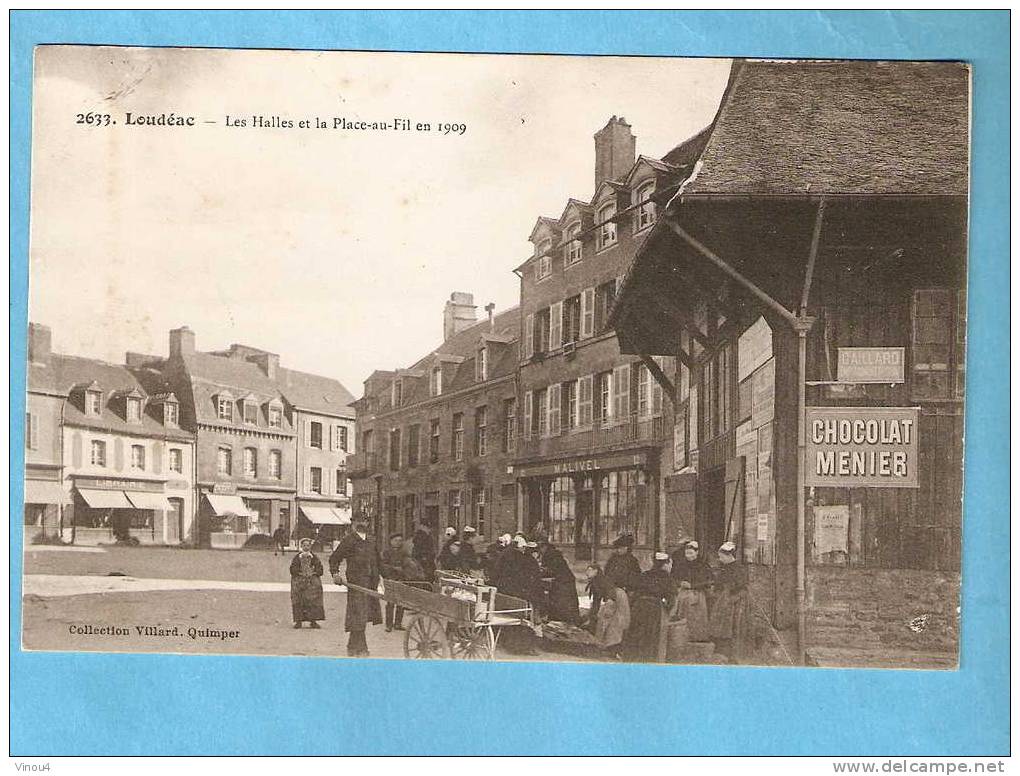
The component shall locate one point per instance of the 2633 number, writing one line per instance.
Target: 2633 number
(94, 119)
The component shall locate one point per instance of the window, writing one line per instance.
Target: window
(541, 332)
(250, 461)
(275, 416)
(31, 431)
(645, 215)
(528, 344)
(584, 401)
(225, 409)
(481, 430)
(251, 413)
(340, 439)
(529, 400)
(134, 409)
(397, 393)
(554, 405)
(482, 365)
(605, 296)
(171, 413)
(395, 449)
(481, 510)
(315, 434)
(621, 507)
(562, 510)
(588, 312)
(556, 326)
(413, 442)
(455, 507)
(541, 412)
(434, 440)
(649, 392)
(316, 479)
(621, 392)
(570, 405)
(341, 481)
(176, 460)
(457, 443)
(368, 442)
(137, 457)
(543, 268)
(604, 393)
(275, 464)
(98, 453)
(509, 424)
(606, 227)
(572, 250)
(436, 381)
(572, 319)
(224, 460)
(715, 394)
(93, 403)
(939, 342)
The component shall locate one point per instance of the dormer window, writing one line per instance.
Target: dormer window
(275, 414)
(645, 215)
(572, 250)
(133, 411)
(436, 381)
(543, 268)
(171, 413)
(606, 226)
(397, 391)
(93, 402)
(225, 408)
(482, 364)
(251, 412)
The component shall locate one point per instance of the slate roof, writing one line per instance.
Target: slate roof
(64, 373)
(839, 127)
(315, 392)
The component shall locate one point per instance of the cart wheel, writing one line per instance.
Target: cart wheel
(472, 642)
(425, 639)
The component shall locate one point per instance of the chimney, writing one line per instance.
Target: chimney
(182, 342)
(458, 314)
(489, 308)
(267, 362)
(40, 343)
(615, 150)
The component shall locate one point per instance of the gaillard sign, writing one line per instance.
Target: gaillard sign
(861, 447)
(870, 365)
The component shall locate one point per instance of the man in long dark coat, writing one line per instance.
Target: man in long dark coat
(362, 569)
(424, 550)
(563, 605)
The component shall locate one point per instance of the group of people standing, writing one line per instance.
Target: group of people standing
(628, 604)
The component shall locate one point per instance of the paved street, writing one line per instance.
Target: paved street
(241, 596)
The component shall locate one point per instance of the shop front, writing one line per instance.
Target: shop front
(584, 503)
(228, 519)
(124, 510)
(44, 501)
(325, 523)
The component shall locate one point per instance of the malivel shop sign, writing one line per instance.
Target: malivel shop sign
(861, 447)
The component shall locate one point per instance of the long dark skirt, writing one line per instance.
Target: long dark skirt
(362, 609)
(306, 599)
(563, 604)
(642, 639)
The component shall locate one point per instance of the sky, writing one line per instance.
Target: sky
(334, 248)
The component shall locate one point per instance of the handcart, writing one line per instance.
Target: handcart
(454, 617)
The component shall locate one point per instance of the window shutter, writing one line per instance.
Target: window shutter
(157, 458)
(553, 409)
(76, 450)
(307, 485)
(587, 312)
(584, 401)
(118, 454)
(527, 414)
(556, 326)
(621, 391)
(529, 336)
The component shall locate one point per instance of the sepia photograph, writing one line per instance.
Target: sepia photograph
(496, 357)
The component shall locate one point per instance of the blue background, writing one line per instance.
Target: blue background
(149, 704)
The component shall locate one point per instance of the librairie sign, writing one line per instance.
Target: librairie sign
(861, 447)
(870, 365)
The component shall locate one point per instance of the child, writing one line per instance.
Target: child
(306, 586)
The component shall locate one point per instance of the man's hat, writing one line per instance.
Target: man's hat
(625, 540)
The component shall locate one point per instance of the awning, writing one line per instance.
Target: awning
(105, 499)
(44, 492)
(344, 513)
(148, 500)
(225, 506)
(321, 515)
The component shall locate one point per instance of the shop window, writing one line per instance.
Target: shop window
(621, 506)
(572, 250)
(645, 214)
(434, 440)
(315, 434)
(606, 226)
(315, 484)
(457, 442)
(939, 343)
(413, 442)
(176, 462)
(562, 510)
(98, 453)
(250, 460)
(224, 461)
(275, 464)
(509, 425)
(137, 457)
(481, 431)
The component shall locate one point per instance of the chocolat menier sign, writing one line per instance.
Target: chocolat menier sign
(861, 447)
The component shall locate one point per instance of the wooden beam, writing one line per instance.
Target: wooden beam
(660, 376)
(812, 255)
